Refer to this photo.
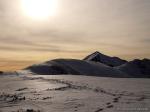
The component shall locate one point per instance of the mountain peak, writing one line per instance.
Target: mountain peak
(107, 60)
(97, 52)
(96, 56)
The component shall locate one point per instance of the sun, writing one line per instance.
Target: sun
(39, 9)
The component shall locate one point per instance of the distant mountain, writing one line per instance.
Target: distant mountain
(96, 64)
(107, 60)
(136, 68)
(75, 67)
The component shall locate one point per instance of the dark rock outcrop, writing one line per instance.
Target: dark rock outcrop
(107, 60)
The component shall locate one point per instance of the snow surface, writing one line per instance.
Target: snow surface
(70, 93)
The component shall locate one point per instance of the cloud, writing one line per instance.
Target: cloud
(146, 40)
(80, 26)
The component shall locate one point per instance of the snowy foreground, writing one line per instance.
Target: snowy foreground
(68, 93)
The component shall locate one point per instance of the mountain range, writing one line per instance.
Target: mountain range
(95, 64)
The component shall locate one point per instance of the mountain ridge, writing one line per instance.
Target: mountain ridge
(75, 67)
(136, 67)
(96, 64)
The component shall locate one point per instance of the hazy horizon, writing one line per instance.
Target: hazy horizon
(74, 29)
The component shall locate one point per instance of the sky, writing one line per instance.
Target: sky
(77, 28)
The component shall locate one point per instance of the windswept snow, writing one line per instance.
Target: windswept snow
(68, 93)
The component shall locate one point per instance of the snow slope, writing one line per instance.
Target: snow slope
(136, 68)
(95, 64)
(75, 67)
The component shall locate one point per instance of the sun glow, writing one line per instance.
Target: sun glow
(39, 9)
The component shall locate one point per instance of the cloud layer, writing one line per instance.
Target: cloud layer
(114, 27)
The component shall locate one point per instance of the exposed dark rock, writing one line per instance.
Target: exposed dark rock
(107, 60)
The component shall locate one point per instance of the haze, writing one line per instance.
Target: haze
(78, 27)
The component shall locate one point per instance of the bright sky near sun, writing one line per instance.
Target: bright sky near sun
(39, 9)
(38, 30)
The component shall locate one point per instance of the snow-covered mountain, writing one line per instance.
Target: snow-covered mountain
(107, 60)
(75, 67)
(136, 68)
(96, 64)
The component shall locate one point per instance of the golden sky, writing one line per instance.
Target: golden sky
(75, 29)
